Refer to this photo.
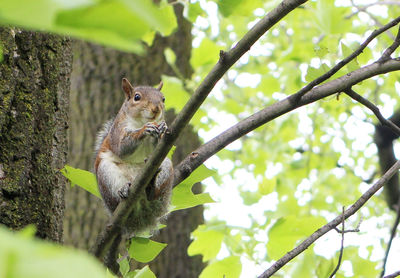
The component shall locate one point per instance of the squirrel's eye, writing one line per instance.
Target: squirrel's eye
(137, 97)
(163, 99)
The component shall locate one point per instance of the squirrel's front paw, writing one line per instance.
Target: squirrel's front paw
(162, 127)
(152, 129)
(123, 192)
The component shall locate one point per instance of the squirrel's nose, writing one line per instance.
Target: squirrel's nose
(155, 110)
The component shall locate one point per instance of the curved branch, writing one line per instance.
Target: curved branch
(393, 275)
(392, 234)
(349, 58)
(227, 59)
(196, 158)
(341, 247)
(331, 225)
(374, 109)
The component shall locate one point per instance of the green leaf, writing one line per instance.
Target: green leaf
(324, 267)
(238, 7)
(118, 23)
(28, 231)
(250, 198)
(84, 179)
(321, 50)
(170, 56)
(175, 95)
(194, 10)
(267, 186)
(313, 73)
(332, 19)
(145, 250)
(288, 230)
(160, 18)
(171, 152)
(182, 195)
(228, 268)
(269, 85)
(21, 256)
(353, 65)
(124, 267)
(363, 267)
(226, 7)
(145, 272)
(206, 54)
(206, 243)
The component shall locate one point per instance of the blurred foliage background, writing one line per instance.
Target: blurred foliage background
(279, 183)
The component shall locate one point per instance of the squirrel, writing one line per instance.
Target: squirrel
(122, 149)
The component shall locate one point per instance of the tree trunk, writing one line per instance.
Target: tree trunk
(34, 93)
(96, 96)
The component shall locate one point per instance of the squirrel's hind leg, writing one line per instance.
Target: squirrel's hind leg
(112, 183)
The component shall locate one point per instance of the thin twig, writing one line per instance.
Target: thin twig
(356, 230)
(380, 3)
(351, 93)
(227, 59)
(389, 51)
(392, 235)
(365, 10)
(393, 275)
(341, 248)
(349, 58)
(326, 228)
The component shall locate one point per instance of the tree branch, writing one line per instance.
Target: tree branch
(389, 51)
(349, 58)
(374, 109)
(341, 247)
(226, 60)
(331, 225)
(393, 275)
(196, 158)
(392, 234)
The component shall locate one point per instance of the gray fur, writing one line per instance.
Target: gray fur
(101, 135)
(151, 206)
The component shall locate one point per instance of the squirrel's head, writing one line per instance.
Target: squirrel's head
(143, 103)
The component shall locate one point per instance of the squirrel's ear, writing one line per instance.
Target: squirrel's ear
(127, 87)
(160, 85)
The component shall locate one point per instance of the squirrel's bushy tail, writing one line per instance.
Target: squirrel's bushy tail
(102, 134)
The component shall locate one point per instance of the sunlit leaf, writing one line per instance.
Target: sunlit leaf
(23, 256)
(145, 250)
(175, 95)
(288, 230)
(84, 179)
(229, 268)
(145, 272)
(353, 65)
(182, 195)
(118, 23)
(267, 186)
(206, 54)
(207, 242)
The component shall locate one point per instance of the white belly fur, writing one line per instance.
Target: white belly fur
(121, 171)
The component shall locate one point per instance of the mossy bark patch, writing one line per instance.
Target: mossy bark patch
(34, 90)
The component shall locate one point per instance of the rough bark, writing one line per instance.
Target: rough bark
(96, 96)
(34, 95)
